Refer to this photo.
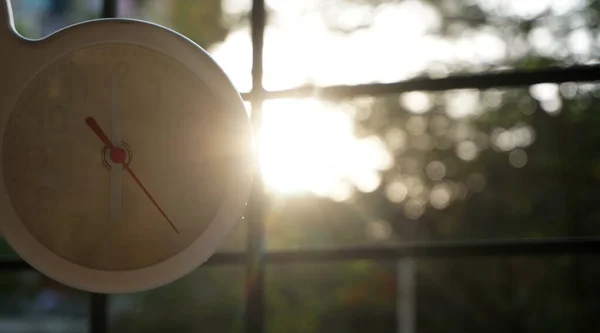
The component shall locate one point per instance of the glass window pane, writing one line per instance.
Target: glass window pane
(453, 165)
(236, 240)
(5, 249)
(32, 303)
(209, 299)
(352, 41)
(332, 297)
(524, 294)
(39, 18)
(471, 295)
(219, 26)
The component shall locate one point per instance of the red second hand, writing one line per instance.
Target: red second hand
(91, 122)
(139, 182)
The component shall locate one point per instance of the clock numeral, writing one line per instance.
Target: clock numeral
(56, 120)
(74, 82)
(46, 199)
(34, 154)
(121, 69)
(36, 158)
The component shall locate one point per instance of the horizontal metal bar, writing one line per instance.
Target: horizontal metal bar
(480, 248)
(500, 79)
(11, 263)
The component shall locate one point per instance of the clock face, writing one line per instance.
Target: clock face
(175, 152)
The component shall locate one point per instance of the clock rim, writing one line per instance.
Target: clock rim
(185, 51)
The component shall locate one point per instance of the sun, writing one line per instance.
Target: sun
(310, 146)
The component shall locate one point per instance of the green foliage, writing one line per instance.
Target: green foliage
(200, 21)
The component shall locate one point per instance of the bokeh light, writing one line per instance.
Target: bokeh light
(414, 208)
(517, 158)
(379, 230)
(440, 196)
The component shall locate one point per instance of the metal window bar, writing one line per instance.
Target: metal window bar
(254, 314)
(500, 79)
(451, 249)
(255, 258)
(98, 319)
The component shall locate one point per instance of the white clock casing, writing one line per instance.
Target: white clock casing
(21, 60)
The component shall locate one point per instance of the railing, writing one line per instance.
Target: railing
(255, 258)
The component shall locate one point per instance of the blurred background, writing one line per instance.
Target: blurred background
(381, 170)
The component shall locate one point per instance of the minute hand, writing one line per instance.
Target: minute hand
(91, 122)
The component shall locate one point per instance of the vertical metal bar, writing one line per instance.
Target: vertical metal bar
(98, 317)
(255, 279)
(255, 293)
(258, 22)
(109, 8)
(406, 296)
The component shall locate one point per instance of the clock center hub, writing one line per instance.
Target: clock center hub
(118, 155)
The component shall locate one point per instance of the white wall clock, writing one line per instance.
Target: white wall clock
(126, 155)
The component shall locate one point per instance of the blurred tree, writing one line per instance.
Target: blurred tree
(200, 21)
(520, 162)
(502, 163)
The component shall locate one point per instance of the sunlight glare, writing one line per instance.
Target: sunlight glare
(302, 49)
(309, 146)
(227, 54)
